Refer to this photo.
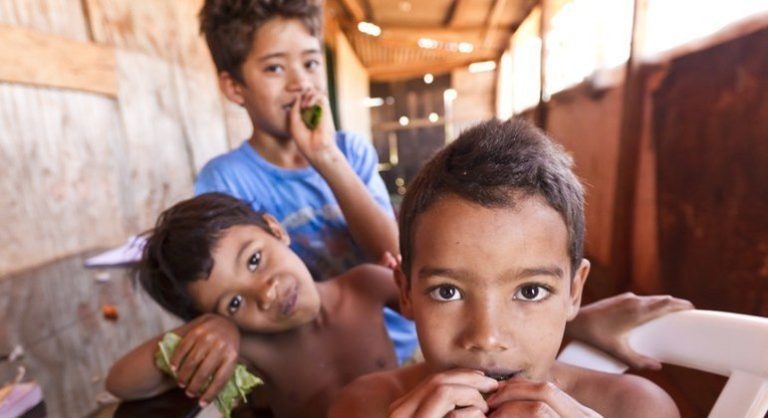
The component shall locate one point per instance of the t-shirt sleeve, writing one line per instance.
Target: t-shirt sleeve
(210, 180)
(363, 159)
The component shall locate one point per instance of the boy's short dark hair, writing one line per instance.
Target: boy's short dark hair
(495, 164)
(178, 250)
(229, 26)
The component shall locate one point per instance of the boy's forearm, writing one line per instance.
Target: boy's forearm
(135, 376)
(371, 227)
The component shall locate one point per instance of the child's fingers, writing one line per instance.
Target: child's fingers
(295, 124)
(190, 364)
(541, 393)
(203, 373)
(182, 350)
(443, 392)
(468, 412)
(446, 398)
(224, 372)
(524, 409)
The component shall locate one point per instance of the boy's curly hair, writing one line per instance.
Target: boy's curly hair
(495, 164)
(178, 249)
(229, 26)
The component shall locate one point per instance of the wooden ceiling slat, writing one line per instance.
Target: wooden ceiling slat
(487, 24)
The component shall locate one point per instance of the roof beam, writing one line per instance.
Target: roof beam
(355, 9)
(388, 72)
(496, 14)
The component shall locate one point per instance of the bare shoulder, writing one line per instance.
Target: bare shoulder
(620, 395)
(369, 396)
(371, 281)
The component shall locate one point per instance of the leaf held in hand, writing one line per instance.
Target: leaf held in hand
(237, 387)
(311, 116)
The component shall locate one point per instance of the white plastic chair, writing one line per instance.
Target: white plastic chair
(723, 343)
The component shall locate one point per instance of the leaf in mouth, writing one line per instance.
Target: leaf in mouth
(311, 116)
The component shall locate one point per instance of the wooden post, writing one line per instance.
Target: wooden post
(630, 137)
(541, 108)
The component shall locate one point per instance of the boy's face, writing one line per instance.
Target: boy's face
(285, 60)
(257, 281)
(491, 289)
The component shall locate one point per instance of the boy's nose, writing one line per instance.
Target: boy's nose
(299, 83)
(266, 294)
(484, 331)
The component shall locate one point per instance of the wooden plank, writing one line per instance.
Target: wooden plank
(62, 189)
(30, 57)
(355, 9)
(388, 72)
(493, 20)
(629, 149)
(65, 18)
(469, 13)
(54, 312)
(168, 29)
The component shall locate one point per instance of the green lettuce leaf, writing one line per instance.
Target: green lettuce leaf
(237, 387)
(311, 116)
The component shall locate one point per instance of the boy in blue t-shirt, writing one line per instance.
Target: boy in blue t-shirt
(321, 185)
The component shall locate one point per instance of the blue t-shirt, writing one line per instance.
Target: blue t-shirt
(303, 203)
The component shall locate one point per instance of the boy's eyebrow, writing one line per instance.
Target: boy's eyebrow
(245, 245)
(554, 271)
(283, 54)
(463, 275)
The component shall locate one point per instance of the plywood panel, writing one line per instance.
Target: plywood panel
(161, 28)
(712, 151)
(59, 17)
(54, 312)
(352, 87)
(159, 151)
(60, 187)
(201, 114)
(239, 127)
(476, 97)
(588, 126)
(168, 31)
(31, 57)
(710, 130)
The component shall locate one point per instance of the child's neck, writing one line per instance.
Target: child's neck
(278, 151)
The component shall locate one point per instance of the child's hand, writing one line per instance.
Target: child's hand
(519, 397)
(605, 324)
(318, 145)
(455, 393)
(390, 261)
(207, 353)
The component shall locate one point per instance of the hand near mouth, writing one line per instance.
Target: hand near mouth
(446, 393)
(318, 144)
(519, 397)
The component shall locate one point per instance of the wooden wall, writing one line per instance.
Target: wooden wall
(699, 227)
(107, 127)
(587, 123)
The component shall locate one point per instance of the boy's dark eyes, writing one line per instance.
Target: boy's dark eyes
(274, 68)
(312, 64)
(234, 304)
(532, 292)
(444, 293)
(254, 261)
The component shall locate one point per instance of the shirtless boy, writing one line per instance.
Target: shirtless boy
(492, 233)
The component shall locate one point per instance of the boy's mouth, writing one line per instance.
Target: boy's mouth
(288, 302)
(501, 375)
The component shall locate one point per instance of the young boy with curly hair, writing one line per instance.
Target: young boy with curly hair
(492, 233)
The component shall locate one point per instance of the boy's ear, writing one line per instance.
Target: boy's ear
(406, 307)
(231, 87)
(276, 229)
(577, 286)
